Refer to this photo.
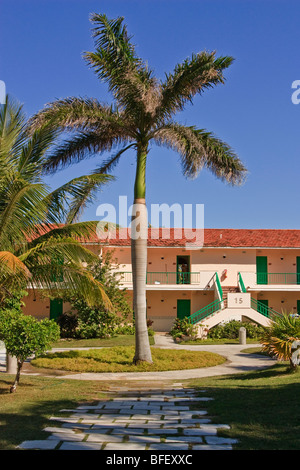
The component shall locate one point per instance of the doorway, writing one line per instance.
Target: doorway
(183, 270)
(183, 308)
(56, 308)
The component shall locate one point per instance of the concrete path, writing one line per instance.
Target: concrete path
(165, 418)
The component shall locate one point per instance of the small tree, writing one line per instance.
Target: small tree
(84, 321)
(278, 338)
(24, 336)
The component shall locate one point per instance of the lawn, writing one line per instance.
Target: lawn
(118, 340)
(25, 413)
(120, 359)
(262, 408)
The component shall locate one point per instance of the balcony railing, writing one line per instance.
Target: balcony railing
(253, 279)
(157, 278)
(278, 278)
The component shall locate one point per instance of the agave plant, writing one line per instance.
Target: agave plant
(142, 113)
(278, 338)
(40, 235)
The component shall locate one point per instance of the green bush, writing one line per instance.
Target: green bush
(230, 330)
(182, 327)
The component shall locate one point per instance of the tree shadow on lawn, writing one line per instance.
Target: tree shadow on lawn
(262, 408)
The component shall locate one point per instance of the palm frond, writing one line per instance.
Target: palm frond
(111, 162)
(115, 62)
(200, 149)
(12, 133)
(83, 145)
(191, 77)
(58, 263)
(66, 203)
(22, 208)
(75, 113)
(14, 274)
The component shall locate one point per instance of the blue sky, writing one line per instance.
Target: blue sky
(41, 46)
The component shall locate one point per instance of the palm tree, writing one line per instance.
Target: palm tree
(279, 338)
(142, 112)
(40, 235)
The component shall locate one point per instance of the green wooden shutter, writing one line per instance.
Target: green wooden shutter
(262, 270)
(298, 269)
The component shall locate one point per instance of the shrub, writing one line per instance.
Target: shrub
(230, 330)
(182, 327)
(279, 338)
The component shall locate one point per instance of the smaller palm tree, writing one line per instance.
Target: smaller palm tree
(40, 234)
(278, 339)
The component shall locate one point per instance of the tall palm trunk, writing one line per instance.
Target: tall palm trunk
(139, 235)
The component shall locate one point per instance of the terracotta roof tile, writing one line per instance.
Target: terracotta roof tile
(273, 238)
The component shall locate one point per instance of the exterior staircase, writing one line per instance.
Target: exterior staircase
(218, 311)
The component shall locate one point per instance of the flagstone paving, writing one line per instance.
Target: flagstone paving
(170, 418)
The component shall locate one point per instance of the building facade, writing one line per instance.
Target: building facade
(249, 275)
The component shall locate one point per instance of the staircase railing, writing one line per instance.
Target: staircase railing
(263, 309)
(211, 308)
(219, 287)
(206, 311)
(241, 283)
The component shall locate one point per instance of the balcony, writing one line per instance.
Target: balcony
(271, 281)
(171, 280)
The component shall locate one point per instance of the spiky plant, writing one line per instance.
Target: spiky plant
(278, 338)
(142, 112)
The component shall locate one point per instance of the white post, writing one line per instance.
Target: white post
(242, 335)
(11, 364)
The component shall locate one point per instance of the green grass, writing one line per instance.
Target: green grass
(118, 340)
(262, 407)
(120, 359)
(25, 413)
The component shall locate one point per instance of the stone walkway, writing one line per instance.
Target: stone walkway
(152, 418)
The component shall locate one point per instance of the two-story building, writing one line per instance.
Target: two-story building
(235, 274)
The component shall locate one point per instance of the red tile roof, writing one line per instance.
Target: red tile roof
(243, 238)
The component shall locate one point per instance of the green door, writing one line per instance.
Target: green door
(262, 270)
(56, 308)
(263, 307)
(298, 269)
(183, 308)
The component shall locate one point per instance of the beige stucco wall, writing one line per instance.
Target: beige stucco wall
(162, 305)
(278, 265)
(279, 301)
(38, 306)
